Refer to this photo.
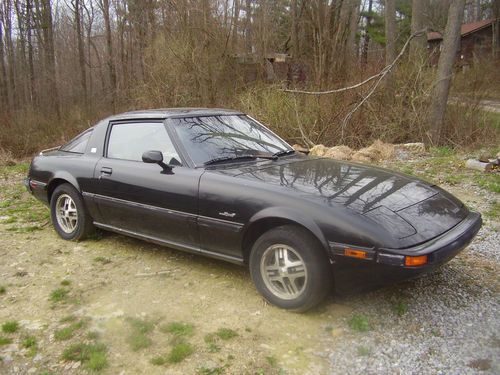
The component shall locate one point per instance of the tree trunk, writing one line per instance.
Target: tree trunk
(4, 102)
(21, 73)
(418, 45)
(11, 64)
(248, 26)
(45, 31)
(390, 36)
(352, 51)
(235, 26)
(495, 46)
(31, 65)
(451, 42)
(366, 39)
(295, 29)
(81, 52)
(109, 46)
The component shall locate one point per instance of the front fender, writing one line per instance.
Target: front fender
(287, 214)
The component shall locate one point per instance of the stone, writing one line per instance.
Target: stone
(318, 150)
(339, 153)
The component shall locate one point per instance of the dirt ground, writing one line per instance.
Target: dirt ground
(112, 284)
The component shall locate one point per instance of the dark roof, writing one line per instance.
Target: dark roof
(466, 29)
(173, 112)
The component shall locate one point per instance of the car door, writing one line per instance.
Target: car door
(145, 199)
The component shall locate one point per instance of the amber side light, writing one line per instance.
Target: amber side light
(415, 261)
(355, 253)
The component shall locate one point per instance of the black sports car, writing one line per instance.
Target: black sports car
(218, 183)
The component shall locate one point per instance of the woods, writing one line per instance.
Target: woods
(64, 64)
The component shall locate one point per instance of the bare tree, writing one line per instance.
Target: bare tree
(77, 6)
(104, 4)
(4, 102)
(390, 37)
(451, 41)
(418, 45)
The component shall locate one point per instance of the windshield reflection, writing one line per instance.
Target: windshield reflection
(212, 137)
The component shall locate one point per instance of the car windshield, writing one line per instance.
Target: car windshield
(231, 137)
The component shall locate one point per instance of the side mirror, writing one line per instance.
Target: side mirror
(152, 157)
(156, 157)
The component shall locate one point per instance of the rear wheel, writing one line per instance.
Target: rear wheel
(69, 215)
(290, 268)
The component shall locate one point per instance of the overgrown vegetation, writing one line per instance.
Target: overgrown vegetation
(234, 67)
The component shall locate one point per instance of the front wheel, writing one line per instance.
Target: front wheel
(69, 214)
(290, 268)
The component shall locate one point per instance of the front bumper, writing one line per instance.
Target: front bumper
(384, 266)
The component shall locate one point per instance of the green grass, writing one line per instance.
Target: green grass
(97, 361)
(66, 283)
(102, 260)
(92, 335)
(179, 352)
(158, 360)
(141, 325)
(226, 333)
(59, 295)
(488, 181)
(68, 332)
(177, 328)
(273, 362)
(5, 340)
(211, 341)
(442, 151)
(93, 356)
(494, 211)
(359, 323)
(210, 370)
(30, 342)
(138, 338)
(10, 326)
(400, 308)
(138, 341)
(22, 211)
(3, 289)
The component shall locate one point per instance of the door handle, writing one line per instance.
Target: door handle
(106, 171)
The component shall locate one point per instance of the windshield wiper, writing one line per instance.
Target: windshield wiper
(223, 159)
(283, 152)
(251, 156)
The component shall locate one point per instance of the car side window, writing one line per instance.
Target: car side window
(128, 141)
(78, 144)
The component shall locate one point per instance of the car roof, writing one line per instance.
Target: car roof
(173, 113)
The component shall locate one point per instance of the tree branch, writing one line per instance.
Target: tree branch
(382, 73)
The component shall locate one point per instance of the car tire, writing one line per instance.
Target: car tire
(69, 215)
(290, 268)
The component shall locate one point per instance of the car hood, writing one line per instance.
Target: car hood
(411, 210)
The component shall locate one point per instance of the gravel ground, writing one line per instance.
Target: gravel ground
(446, 322)
(451, 325)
